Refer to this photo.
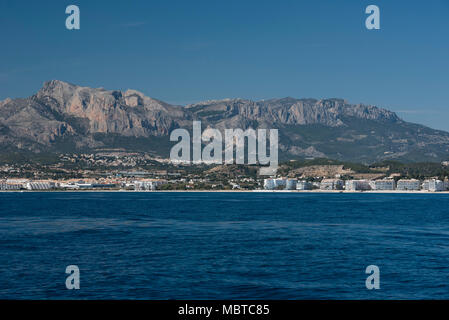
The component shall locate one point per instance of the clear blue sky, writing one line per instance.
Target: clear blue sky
(187, 51)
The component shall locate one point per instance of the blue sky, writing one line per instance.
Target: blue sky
(188, 51)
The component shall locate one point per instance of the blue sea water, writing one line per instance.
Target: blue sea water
(223, 245)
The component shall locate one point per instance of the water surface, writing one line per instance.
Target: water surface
(133, 245)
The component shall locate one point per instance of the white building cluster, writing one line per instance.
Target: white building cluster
(276, 183)
(146, 185)
(432, 185)
(10, 186)
(43, 185)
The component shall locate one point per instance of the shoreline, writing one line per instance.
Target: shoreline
(237, 191)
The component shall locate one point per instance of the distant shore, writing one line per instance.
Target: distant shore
(239, 191)
(356, 191)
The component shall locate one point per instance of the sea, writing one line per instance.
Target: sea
(223, 245)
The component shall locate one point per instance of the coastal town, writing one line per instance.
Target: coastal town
(121, 171)
(270, 184)
(95, 173)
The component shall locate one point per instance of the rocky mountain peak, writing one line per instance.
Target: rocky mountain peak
(56, 88)
(7, 100)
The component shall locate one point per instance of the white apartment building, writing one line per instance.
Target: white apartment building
(408, 184)
(291, 184)
(68, 186)
(354, 185)
(268, 184)
(40, 185)
(303, 185)
(433, 185)
(274, 183)
(280, 182)
(331, 184)
(10, 186)
(148, 185)
(385, 184)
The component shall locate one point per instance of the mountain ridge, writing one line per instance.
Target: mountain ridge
(62, 116)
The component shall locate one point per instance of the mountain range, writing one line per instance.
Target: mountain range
(66, 118)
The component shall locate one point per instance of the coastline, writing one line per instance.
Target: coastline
(235, 191)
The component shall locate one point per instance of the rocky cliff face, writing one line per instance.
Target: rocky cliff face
(62, 115)
(287, 111)
(127, 113)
